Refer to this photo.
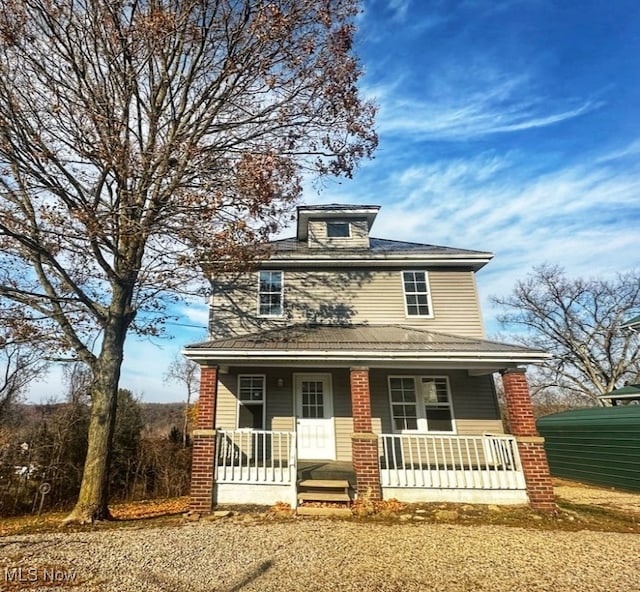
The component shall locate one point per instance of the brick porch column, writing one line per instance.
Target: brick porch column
(530, 443)
(364, 441)
(204, 443)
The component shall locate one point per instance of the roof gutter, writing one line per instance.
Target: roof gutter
(351, 355)
(474, 263)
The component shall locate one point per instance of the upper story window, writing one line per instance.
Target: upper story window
(421, 403)
(417, 295)
(270, 294)
(338, 230)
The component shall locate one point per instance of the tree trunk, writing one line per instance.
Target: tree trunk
(94, 490)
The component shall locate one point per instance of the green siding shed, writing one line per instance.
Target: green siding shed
(598, 445)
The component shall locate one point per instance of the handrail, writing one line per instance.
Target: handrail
(255, 456)
(450, 461)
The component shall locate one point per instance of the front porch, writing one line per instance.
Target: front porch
(415, 412)
(261, 466)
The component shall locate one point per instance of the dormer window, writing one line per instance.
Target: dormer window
(338, 230)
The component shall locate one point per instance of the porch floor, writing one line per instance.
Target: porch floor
(327, 470)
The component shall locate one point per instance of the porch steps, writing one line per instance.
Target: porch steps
(322, 491)
(323, 496)
(337, 512)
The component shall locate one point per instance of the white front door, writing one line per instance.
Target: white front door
(314, 410)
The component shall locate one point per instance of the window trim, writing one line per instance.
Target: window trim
(271, 316)
(421, 408)
(252, 403)
(428, 293)
(342, 223)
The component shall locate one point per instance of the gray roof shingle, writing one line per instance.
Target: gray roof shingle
(378, 246)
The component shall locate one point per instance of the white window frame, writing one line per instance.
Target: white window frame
(428, 294)
(281, 313)
(341, 222)
(263, 402)
(421, 407)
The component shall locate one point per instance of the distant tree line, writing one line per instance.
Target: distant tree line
(47, 444)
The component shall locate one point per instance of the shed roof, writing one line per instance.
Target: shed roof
(633, 322)
(630, 391)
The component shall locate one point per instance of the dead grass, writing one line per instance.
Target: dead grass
(134, 514)
(581, 507)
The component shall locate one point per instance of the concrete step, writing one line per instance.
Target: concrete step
(323, 496)
(324, 490)
(325, 484)
(306, 511)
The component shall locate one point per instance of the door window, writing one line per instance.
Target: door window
(312, 399)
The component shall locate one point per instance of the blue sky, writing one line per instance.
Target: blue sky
(508, 126)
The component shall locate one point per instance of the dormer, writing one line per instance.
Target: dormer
(336, 226)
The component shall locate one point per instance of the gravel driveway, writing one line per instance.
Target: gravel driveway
(319, 555)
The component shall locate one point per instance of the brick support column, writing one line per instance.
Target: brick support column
(364, 442)
(204, 443)
(530, 444)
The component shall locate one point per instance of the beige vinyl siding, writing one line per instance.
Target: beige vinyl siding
(359, 238)
(477, 427)
(227, 404)
(278, 400)
(343, 423)
(350, 295)
(455, 303)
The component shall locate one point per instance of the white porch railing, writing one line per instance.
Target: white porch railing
(256, 456)
(450, 462)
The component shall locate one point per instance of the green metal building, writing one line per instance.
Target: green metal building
(599, 445)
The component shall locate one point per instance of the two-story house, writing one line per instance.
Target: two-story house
(363, 360)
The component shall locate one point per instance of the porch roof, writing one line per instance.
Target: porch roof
(380, 345)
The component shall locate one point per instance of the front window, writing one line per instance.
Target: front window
(270, 294)
(251, 395)
(416, 293)
(421, 403)
(402, 391)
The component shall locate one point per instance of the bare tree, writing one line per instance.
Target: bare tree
(579, 321)
(20, 364)
(143, 139)
(184, 372)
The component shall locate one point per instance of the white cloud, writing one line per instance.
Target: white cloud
(193, 312)
(463, 98)
(471, 117)
(399, 9)
(577, 216)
